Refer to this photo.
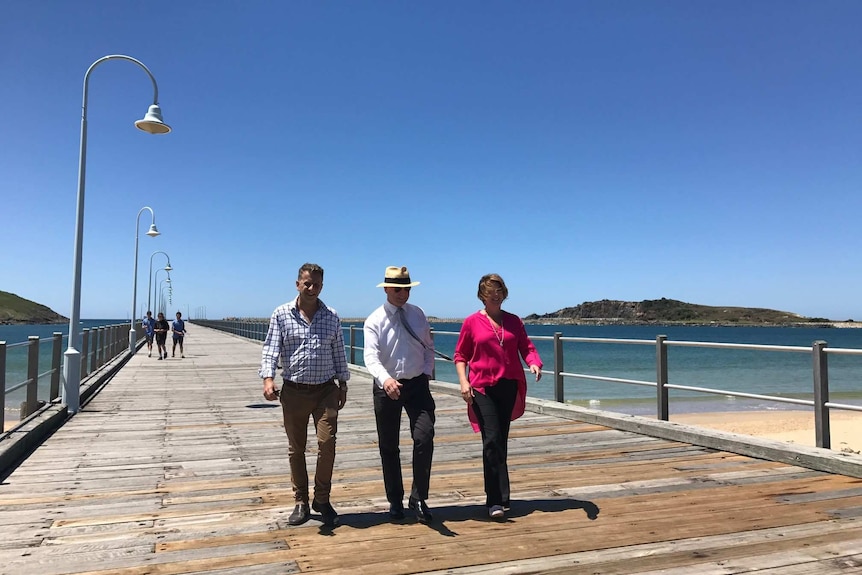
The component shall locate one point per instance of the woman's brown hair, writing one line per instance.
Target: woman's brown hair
(485, 288)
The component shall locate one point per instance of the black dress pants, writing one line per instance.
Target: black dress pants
(416, 400)
(494, 412)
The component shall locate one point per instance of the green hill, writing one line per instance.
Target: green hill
(668, 311)
(15, 309)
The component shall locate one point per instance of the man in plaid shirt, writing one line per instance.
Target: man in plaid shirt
(306, 336)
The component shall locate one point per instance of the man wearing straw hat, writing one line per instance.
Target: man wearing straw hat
(399, 354)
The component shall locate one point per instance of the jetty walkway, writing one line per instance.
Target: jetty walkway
(180, 467)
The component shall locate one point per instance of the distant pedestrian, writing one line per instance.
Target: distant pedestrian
(149, 325)
(399, 354)
(161, 330)
(306, 336)
(491, 344)
(178, 327)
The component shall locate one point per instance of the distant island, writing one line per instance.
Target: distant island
(17, 310)
(672, 312)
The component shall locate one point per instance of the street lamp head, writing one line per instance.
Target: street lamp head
(152, 122)
(168, 268)
(153, 231)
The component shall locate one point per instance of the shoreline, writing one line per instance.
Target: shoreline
(792, 426)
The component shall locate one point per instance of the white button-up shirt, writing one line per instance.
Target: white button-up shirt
(390, 350)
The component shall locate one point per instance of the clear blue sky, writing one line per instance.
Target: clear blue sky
(706, 151)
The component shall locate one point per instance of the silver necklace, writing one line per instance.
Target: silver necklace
(502, 333)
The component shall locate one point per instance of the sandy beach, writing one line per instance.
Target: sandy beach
(791, 426)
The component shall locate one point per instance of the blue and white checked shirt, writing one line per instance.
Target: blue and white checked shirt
(310, 353)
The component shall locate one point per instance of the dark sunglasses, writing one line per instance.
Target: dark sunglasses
(398, 289)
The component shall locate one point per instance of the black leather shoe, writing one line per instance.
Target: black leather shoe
(299, 515)
(328, 514)
(420, 508)
(396, 511)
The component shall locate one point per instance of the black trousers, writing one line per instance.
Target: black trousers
(494, 412)
(416, 400)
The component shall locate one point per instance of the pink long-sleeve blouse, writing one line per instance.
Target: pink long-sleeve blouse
(492, 355)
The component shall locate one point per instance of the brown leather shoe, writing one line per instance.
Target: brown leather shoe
(328, 514)
(299, 515)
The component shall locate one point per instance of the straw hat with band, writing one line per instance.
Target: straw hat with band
(397, 277)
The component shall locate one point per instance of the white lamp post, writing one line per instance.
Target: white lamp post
(152, 233)
(151, 123)
(167, 268)
(161, 305)
(156, 287)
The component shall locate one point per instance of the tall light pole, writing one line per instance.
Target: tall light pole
(152, 233)
(161, 305)
(151, 123)
(167, 268)
(156, 286)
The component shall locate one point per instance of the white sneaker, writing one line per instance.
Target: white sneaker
(496, 512)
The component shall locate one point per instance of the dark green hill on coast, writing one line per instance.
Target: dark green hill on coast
(668, 311)
(15, 310)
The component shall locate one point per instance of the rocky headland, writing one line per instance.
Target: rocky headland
(673, 312)
(17, 310)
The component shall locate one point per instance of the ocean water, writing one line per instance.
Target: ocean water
(783, 374)
(16, 356)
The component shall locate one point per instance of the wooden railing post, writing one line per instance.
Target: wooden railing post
(559, 394)
(821, 395)
(56, 358)
(85, 352)
(662, 409)
(352, 345)
(100, 348)
(32, 377)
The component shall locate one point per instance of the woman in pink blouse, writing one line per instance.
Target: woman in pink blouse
(492, 343)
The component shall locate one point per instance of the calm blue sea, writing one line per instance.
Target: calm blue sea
(16, 355)
(783, 374)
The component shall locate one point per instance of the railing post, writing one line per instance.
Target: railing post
(85, 352)
(352, 345)
(56, 357)
(559, 394)
(3, 385)
(434, 358)
(662, 410)
(99, 348)
(32, 376)
(105, 338)
(821, 395)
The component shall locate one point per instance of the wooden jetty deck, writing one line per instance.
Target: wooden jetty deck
(180, 467)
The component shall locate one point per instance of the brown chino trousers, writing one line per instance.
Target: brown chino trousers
(298, 402)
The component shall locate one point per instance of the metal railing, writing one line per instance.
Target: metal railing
(819, 352)
(99, 345)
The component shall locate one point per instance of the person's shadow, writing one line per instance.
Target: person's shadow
(448, 514)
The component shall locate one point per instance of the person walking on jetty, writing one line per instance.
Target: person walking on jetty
(161, 330)
(305, 335)
(399, 354)
(491, 344)
(149, 324)
(178, 327)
